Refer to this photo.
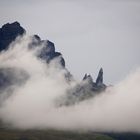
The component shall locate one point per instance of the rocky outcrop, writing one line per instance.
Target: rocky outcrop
(87, 88)
(98, 85)
(99, 80)
(9, 32)
(48, 53)
(88, 78)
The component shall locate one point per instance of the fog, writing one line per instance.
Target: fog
(31, 105)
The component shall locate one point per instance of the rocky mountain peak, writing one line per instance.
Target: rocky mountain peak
(83, 90)
(8, 33)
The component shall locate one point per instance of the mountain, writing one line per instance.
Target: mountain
(87, 88)
(9, 32)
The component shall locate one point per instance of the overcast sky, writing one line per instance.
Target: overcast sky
(89, 33)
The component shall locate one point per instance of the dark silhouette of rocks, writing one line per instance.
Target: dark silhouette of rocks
(88, 78)
(84, 90)
(48, 53)
(99, 80)
(8, 33)
(98, 85)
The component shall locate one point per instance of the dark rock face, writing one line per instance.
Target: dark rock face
(48, 53)
(85, 90)
(8, 33)
(99, 80)
(98, 85)
(88, 78)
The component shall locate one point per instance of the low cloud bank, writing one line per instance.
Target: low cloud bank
(31, 104)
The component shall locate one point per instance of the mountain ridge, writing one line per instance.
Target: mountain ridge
(10, 31)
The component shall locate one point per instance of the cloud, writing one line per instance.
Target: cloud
(31, 105)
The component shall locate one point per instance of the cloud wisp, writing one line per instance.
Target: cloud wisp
(31, 104)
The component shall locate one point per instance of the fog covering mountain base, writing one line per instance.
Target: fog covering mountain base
(32, 98)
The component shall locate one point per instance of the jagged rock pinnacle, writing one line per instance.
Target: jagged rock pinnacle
(99, 80)
(88, 78)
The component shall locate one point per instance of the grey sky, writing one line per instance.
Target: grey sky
(89, 33)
